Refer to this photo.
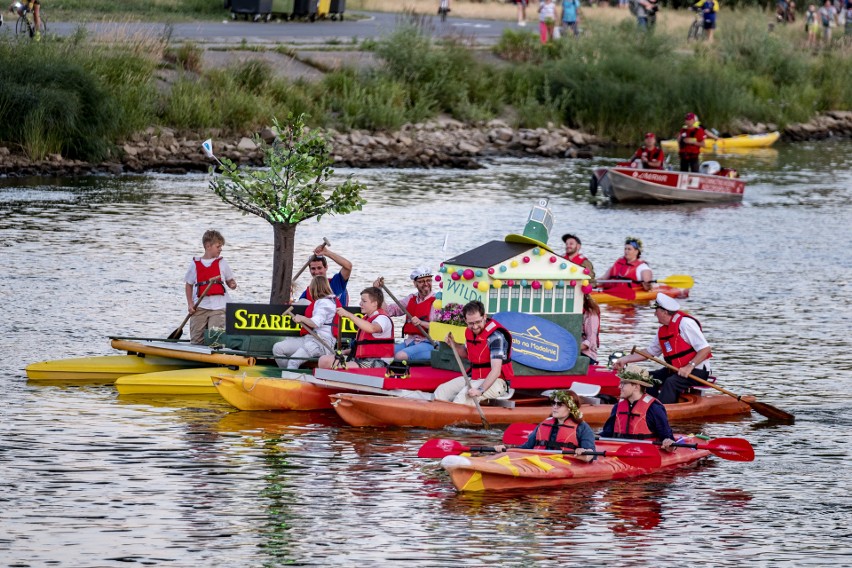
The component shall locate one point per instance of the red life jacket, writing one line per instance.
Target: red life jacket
(691, 150)
(335, 322)
(646, 155)
(578, 259)
(676, 351)
(419, 310)
(203, 275)
(623, 270)
(566, 436)
(480, 356)
(368, 346)
(632, 422)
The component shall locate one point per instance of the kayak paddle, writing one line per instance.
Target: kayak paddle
(325, 243)
(623, 292)
(760, 407)
(467, 383)
(176, 334)
(675, 281)
(733, 449)
(637, 455)
(518, 433)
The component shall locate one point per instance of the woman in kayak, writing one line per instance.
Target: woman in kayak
(564, 430)
(629, 267)
(320, 317)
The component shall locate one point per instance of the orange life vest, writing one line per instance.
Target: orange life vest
(623, 270)
(335, 322)
(203, 275)
(368, 346)
(419, 310)
(566, 436)
(632, 422)
(479, 354)
(676, 351)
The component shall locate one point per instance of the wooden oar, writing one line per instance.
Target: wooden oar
(675, 281)
(636, 455)
(177, 333)
(761, 407)
(409, 316)
(733, 449)
(485, 423)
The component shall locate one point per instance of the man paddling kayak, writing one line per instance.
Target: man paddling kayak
(488, 347)
(681, 342)
(638, 415)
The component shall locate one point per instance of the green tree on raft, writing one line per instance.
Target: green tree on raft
(294, 188)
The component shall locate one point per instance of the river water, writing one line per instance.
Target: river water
(93, 479)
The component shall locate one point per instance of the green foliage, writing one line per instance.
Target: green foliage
(294, 185)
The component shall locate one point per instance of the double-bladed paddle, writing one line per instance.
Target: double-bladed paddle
(734, 449)
(636, 455)
(761, 407)
(675, 281)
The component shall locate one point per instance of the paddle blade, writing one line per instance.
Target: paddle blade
(440, 447)
(734, 449)
(771, 412)
(678, 281)
(517, 434)
(643, 456)
(176, 334)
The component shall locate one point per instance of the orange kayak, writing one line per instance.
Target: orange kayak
(525, 469)
(384, 411)
(642, 295)
(271, 393)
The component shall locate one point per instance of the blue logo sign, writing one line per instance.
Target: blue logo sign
(539, 343)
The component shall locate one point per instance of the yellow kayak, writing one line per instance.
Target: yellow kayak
(186, 381)
(722, 144)
(105, 368)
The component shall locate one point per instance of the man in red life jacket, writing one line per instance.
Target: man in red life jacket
(637, 415)
(208, 272)
(690, 140)
(374, 341)
(650, 155)
(415, 346)
(488, 347)
(572, 253)
(681, 342)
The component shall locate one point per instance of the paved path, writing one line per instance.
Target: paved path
(322, 31)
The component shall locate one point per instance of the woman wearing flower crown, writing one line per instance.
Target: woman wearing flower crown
(630, 267)
(564, 430)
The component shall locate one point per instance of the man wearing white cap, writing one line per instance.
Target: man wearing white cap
(682, 344)
(415, 346)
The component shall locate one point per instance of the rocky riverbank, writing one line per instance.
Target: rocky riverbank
(442, 143)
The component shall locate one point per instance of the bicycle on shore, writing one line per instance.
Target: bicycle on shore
(696, 30)
(26, 21)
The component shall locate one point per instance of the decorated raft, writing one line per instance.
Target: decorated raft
(382, 411)
(526, 469)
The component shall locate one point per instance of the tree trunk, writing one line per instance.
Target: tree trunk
(282, 263)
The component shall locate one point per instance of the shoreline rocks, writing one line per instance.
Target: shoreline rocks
(439, 143)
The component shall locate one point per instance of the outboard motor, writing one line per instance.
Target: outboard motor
(711, 167)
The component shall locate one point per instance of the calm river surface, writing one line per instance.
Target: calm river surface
(93, 479)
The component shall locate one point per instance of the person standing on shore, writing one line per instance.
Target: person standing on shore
(522, 12)
(571, 16)
(827, 15)
(546, 20)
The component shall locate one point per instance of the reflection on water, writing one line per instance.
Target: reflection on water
(95, 479)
